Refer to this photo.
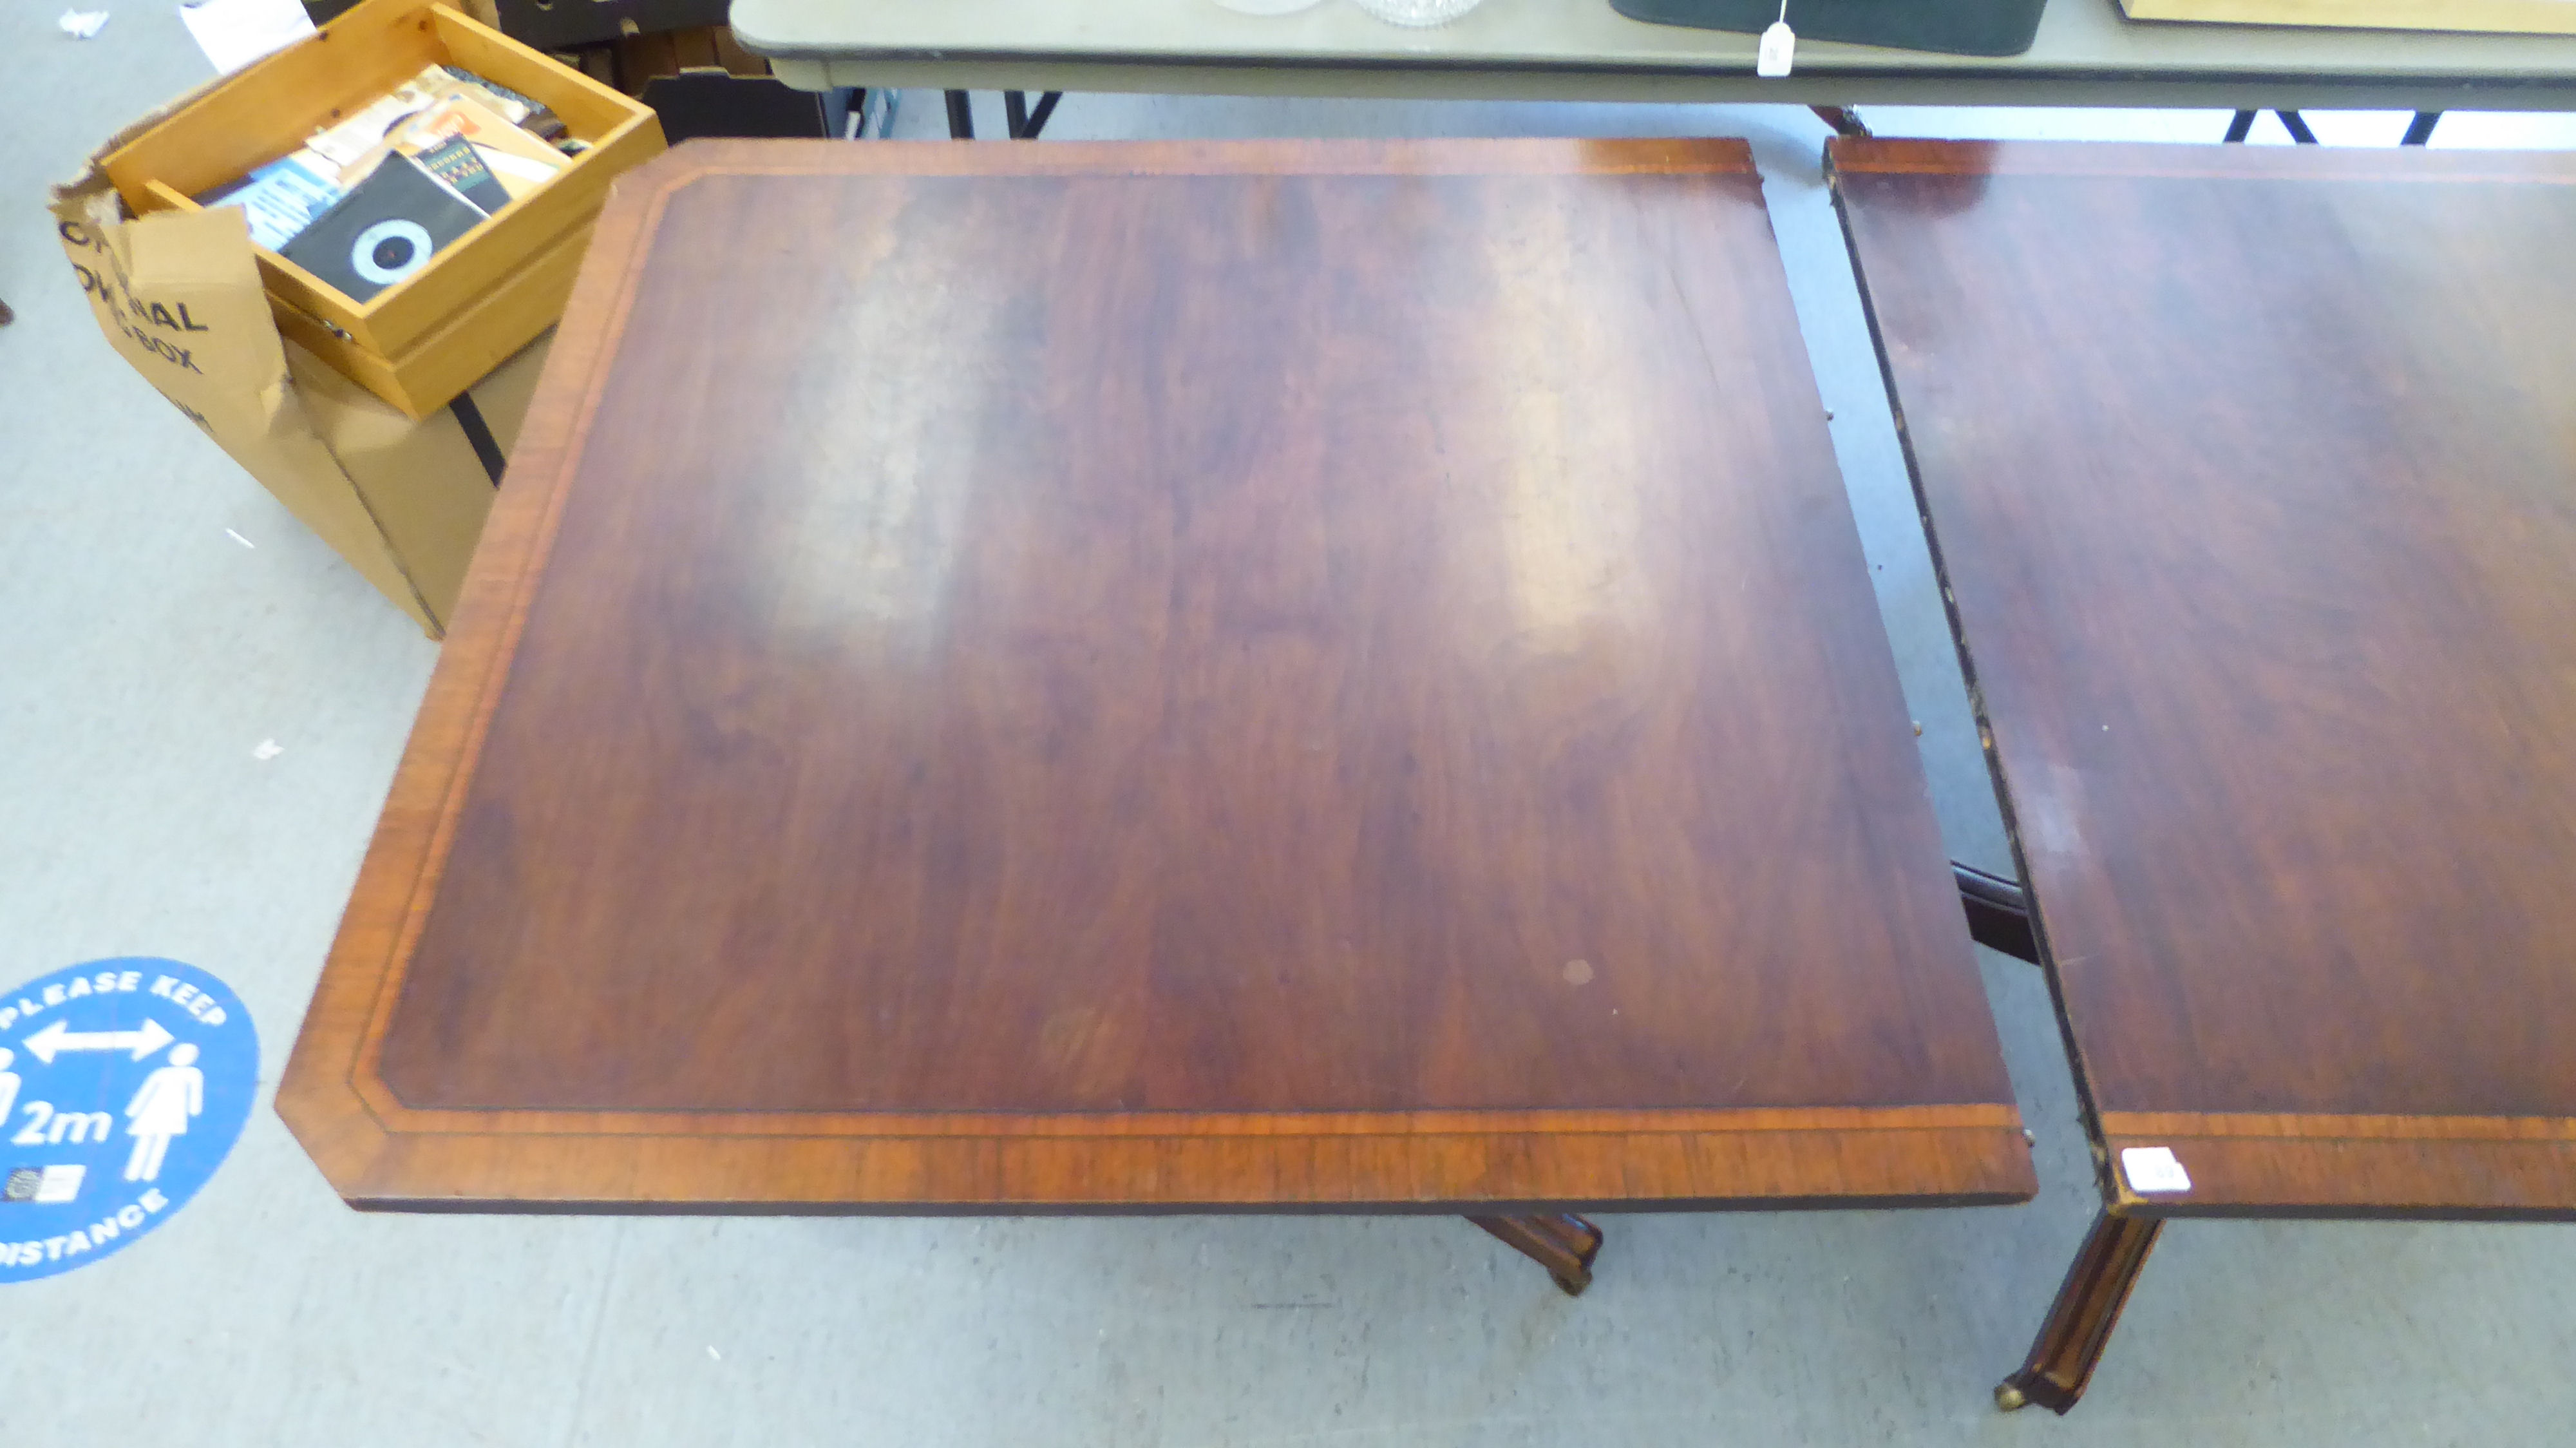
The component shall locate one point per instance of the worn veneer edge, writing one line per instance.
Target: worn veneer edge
(1244, 1124)
(518, 565)
(360, 978)
(2328, 1126)
(2308, 1164)
(2195, 161)
(1639, 1170)
(1998, 772)
(1284, 158)
(2428, 1176)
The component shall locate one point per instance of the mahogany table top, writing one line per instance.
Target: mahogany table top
(1161, 676)
(2252, 473)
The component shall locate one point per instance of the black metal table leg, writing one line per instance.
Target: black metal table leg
(2420, 130)
(961, 117)
(2296, 124)
(1024, 123)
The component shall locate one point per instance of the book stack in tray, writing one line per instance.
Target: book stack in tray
(369, 199)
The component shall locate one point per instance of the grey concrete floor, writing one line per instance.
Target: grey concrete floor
(145, 654)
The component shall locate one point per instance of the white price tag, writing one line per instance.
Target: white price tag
(2153, 1169)
(1779, 48)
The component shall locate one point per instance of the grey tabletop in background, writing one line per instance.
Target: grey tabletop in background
(2085, 54)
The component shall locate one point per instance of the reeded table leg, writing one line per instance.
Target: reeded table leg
(1844, 120)
(1562, 1243)
(2070, 1343)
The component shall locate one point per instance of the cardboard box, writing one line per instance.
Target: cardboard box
(417, 343)
(179, 296)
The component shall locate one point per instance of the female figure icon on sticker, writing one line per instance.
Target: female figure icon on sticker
(160, 1111)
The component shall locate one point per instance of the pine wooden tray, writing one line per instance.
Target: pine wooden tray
(417, 343)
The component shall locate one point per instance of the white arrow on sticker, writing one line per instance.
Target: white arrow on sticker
(59, 1037)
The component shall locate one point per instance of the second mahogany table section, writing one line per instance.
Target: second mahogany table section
(1166, 677)
(2252, 475)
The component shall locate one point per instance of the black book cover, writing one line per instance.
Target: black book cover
(386, 228)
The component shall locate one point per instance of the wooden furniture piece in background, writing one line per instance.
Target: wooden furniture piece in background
(1340, 677)
(574, 24)
(2248, 474)
(632, 60)
(702, 84)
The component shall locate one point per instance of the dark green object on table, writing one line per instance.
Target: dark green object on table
(1960, 27)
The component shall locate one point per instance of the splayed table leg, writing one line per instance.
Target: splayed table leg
(1562, 1243)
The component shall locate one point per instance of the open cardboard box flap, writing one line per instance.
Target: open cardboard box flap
(178, 295)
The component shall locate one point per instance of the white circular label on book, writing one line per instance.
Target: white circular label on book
(390, 250)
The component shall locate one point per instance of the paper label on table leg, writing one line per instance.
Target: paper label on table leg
(2153, 1169)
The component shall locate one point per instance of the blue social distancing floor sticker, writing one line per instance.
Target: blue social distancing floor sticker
(123, 1085)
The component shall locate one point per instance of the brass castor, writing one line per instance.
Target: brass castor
(2010, 1398)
